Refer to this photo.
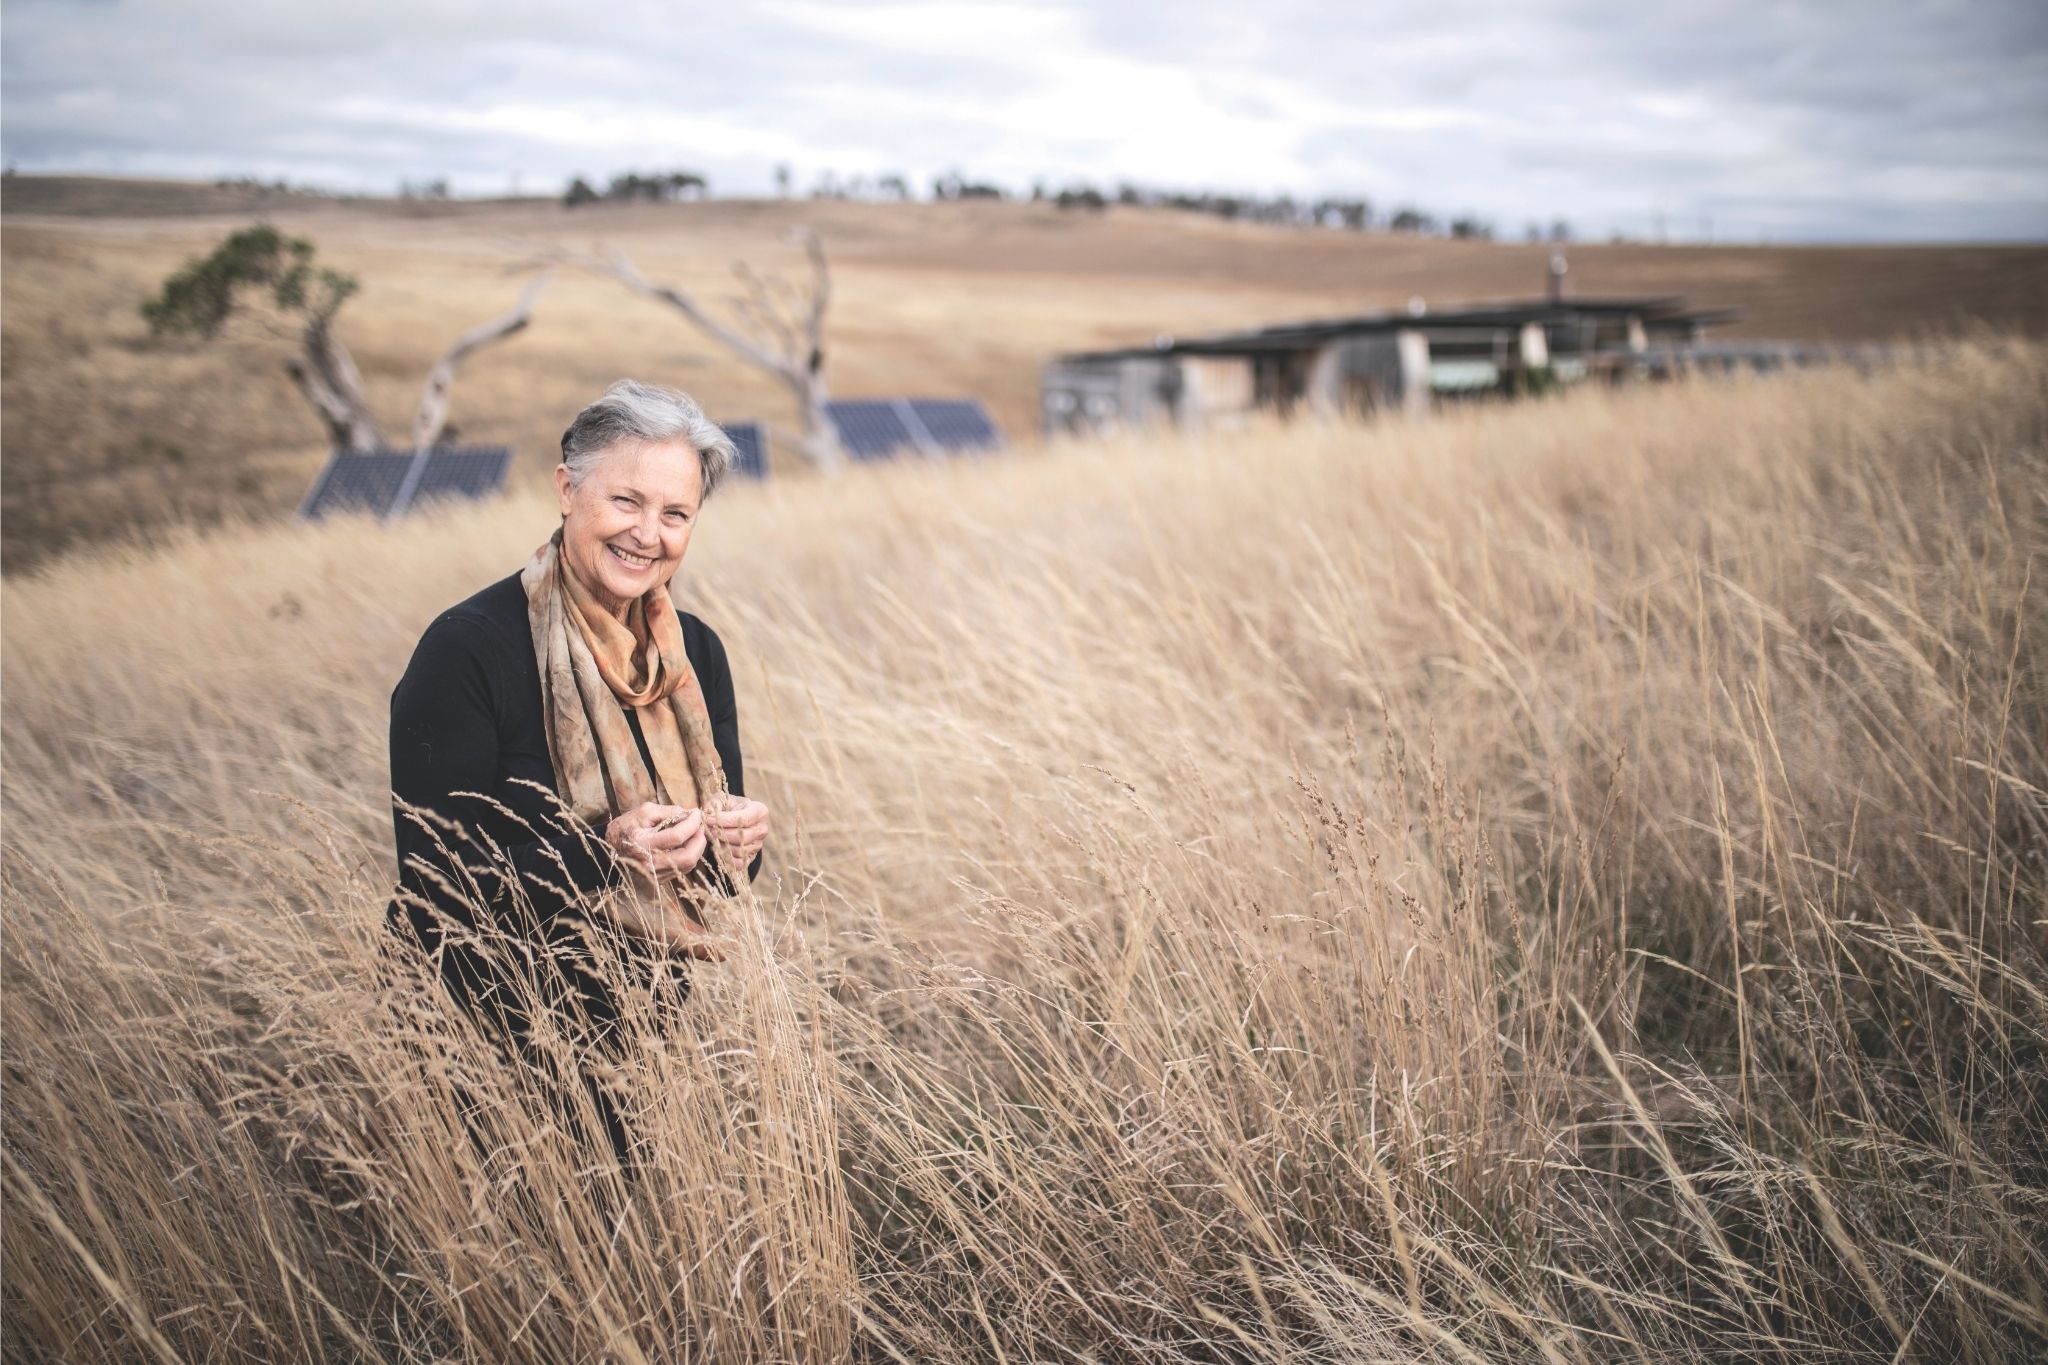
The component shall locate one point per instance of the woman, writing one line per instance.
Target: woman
(564, 743)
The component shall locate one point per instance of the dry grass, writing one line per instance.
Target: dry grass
(1563, 883)
(105, 429)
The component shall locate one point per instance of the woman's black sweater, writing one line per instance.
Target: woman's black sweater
(467, 723)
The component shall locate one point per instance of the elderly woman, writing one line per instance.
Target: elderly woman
(564, 744)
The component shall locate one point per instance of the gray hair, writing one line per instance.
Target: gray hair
(632, 411)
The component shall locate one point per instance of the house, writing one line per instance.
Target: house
(1366, 362)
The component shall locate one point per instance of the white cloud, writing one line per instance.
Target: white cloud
(1891, 117)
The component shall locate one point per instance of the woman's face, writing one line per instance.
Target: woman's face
(624, 531)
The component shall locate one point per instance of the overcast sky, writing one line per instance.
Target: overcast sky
(1859, 119)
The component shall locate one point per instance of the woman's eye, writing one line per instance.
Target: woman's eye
(622, 500)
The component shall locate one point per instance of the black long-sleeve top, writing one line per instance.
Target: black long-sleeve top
(467, 717)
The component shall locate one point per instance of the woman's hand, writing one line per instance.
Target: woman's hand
(662, 841)
(739, 828)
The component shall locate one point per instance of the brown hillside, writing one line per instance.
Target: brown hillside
(105, 431)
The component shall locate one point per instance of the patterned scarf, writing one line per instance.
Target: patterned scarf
(592, 666)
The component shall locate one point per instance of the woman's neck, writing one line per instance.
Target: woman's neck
(618, 608)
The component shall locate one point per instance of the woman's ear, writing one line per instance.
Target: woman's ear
(563, 491)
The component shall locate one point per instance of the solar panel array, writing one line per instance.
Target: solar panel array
(957, 423)
(749, 455)
(869, 428)
(879, 428)
(457, 472)
(357, 481)
(390, 483)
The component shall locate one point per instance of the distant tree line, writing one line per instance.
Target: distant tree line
(952, 186)
(659, 187)
(889, 186)
(1346, 213)
(1352, 214)
(262, 187)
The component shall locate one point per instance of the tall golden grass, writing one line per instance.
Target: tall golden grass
(1560, 883)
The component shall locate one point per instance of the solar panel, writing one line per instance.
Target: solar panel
(472, 472)
(749, 454)
(869, 428)
(877, 428)
(357, 481)
(390, 483)
(957, 423)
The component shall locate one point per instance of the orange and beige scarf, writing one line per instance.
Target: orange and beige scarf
(593, 666)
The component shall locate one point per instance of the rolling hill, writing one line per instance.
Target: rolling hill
(106, 432)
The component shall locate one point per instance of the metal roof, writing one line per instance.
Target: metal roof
(1286, 336)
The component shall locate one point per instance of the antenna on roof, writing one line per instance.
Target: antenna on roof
(1558, 267)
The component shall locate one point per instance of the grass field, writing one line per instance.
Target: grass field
(1555, 883)
(107, 432)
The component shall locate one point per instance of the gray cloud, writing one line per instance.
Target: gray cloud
(1886, 119)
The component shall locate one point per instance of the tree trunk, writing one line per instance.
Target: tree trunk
(327, 375)
(432, 418)
(820, 440)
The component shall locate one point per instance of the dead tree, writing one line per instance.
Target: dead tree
(782, 332)
(432, 418)
(326, 374)
(200, 299)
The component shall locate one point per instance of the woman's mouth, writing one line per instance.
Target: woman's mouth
(629, 559)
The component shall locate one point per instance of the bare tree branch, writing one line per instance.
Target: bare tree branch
(784, 341)
(764, 305)
(622, 268)
(432, 418)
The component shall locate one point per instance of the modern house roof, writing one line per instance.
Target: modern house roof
(1663, 310)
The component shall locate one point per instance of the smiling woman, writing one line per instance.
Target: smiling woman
(627, 513)
(566, 739)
